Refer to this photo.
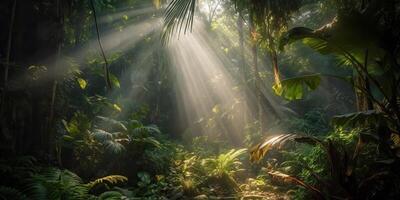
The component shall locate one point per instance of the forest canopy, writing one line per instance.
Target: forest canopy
(200, 99)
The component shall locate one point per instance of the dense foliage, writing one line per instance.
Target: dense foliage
(200, 99)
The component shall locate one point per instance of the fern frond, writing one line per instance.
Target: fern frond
(111, 195)
(111, 179)
(11, 193)
(57, 184)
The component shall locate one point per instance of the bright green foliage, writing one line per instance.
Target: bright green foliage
(81, 131)
(226, 163)
(77, 128)
(295, 88)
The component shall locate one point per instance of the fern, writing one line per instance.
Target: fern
(111, 195)
(11, 193)
(57, 184)
(112, 179)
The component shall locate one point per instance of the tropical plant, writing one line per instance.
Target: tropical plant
(221, 169)
(14, 173)
(226, 163)
(343, 181)
(57, 184)
(369, 55)
(62, 184)
(11, 193)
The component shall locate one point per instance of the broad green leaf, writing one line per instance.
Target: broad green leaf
(295, 34)
(295, 88)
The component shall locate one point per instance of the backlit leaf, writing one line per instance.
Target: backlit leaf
(295, 88)
(82, 83)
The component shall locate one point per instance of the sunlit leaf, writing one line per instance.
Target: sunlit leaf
(114, 80)
(82, 83)
(276, 142)
(216, 109)
(157, 4)
(107, 180)
(295, 88)
(117, 108)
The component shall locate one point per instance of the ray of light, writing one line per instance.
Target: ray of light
(205, 87)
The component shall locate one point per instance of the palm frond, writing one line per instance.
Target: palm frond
(294, 180)
(148, 140)
(137, 128)
(102, 135)
(114, 146)
(116, 125)
(259, 151)
(179, 15)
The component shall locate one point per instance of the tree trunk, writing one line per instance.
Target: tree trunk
(242, 69)
(256, 74)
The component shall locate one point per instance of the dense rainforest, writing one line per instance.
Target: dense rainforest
(200, 99)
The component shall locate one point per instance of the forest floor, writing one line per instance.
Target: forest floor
(249, 196)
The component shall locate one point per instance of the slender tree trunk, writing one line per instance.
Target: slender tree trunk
(4, 120)
(7, 64)
(363, 103)
(50, 128)
(256, 74)
(242, 68)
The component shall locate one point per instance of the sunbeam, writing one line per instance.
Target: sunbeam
(205, 87)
